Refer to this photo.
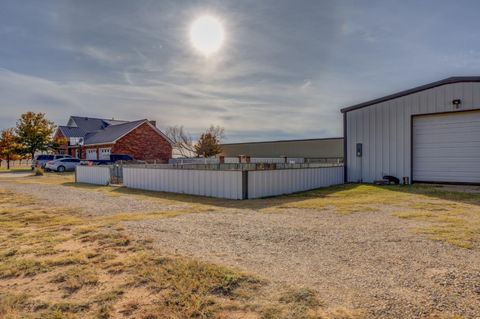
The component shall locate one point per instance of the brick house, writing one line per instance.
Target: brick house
(93, 138)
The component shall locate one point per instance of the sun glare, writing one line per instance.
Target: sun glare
(207, 35)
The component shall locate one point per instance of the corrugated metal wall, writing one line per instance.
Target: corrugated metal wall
(287, 181)
(98, 175)
(222, 184)
(313, 148)
(385, 129)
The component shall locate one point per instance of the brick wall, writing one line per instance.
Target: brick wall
(144, 143)
(63, 149)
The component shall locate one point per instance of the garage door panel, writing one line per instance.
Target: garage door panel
(446, 152)
(446, 130)
(446, 147)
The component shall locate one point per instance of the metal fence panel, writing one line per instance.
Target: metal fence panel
(287, 181)
(235, 160)
(222, 184)
(98, 175)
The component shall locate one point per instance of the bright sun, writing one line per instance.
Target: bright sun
(206, 34)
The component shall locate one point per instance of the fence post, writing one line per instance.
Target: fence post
(244, 184)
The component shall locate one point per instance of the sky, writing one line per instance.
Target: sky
(285, 70)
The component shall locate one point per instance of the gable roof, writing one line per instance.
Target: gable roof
(451, 80)
(112, 133)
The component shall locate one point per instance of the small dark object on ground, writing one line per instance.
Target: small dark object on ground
(392, 179)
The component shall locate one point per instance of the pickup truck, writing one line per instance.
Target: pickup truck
(114, 158)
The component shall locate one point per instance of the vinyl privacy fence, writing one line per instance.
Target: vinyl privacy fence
(231, 184)
(98, 175)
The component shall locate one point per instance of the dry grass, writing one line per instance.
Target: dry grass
(450, 214)
(74, 267)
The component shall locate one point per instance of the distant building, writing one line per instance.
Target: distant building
(319, 148)
(94, 138)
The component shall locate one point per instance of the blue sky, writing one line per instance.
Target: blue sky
(284, 71)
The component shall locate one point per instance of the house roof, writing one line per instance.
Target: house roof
(72, 131)
(102, 131)
(90, 124)
(451, 80)
(112, 133)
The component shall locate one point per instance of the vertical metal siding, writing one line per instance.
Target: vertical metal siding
(385, 129)
(222, 184)
(98, 175)
(287, 181)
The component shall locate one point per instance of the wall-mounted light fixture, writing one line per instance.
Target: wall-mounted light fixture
(456, 103)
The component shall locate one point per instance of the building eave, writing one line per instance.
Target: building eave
(451, 80)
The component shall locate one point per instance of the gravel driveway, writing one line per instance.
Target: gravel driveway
(370, 261)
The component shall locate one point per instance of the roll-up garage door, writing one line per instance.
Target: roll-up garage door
(446, 147)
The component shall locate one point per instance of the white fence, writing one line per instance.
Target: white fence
(287, 181)
(232, 184)
(222, 184)
(16, 164)
(98, 175)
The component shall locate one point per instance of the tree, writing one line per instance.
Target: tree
(209, 142)
(9, 146)
(182, 141)
(207, 145)
(34, 132)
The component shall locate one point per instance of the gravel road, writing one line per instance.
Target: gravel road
(370, 261)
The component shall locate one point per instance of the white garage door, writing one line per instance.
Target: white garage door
(92, 154)
(104, 153)
(446, 147)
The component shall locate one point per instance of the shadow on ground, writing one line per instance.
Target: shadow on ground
(462, 194)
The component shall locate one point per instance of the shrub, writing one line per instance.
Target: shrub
(39, 171)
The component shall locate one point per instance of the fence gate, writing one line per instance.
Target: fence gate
(117, 174)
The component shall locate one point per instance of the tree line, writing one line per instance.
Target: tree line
(33, 132)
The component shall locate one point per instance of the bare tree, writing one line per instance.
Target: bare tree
(217, 132)
(182, 141)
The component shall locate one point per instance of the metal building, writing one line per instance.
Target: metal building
(429, 133)
(319, 148)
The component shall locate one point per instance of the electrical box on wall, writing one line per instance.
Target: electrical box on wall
(359, 149)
